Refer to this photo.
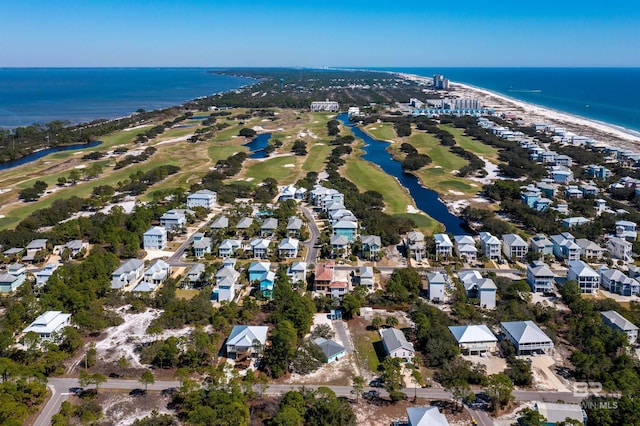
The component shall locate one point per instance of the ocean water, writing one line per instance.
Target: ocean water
(41, 95)
(610, 95)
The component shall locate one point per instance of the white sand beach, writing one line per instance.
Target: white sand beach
(530, 113)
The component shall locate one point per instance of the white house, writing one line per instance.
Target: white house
(620, 249)
(426, 416)
(474, 338)
(526, 336)
(155, 238)
(466, 247)
(539, 277)
(514, 247)
(626, 229)
(195, 274)
(203, 198)
(297, 271)
(76, 246)
(49, 325)
(331, 350)
(396, 344)
(246, 339)
(588, 279)
(288, 248)
(366, 277)
(371, 245)
(444, 246)
(129, 272)
(33, 248)
(173, 220)
(228, 248)
(437, 283)
(617, 282)
(201, 245)
(294, 226)
(490, 246)
(589, 249)
(157, 272)
(260, 248)
(618, 322)
(415, 244)
(43, 275)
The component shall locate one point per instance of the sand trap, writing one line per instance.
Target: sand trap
(81, 166)
(249, 179)
(289, 165)
(456, 192)
(412, 209)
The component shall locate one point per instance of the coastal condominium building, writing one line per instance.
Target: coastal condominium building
(327, 105)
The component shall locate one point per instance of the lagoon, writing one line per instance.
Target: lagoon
(44, 152)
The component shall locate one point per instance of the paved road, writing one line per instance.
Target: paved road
(60, 393)
(344, 335)
(312, 251)
(481, 417)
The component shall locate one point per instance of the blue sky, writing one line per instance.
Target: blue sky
(317, 33)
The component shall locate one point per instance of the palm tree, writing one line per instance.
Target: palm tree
(391, 321)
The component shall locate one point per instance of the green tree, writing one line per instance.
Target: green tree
(122, 363)
(358, 386)
(284, 340)
(391, 321)
(531, 417)
(500, 390)
(147, 378)
(377, 322)
(461, 392)
(74, 176)
(392, 377)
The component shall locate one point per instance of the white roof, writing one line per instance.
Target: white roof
(259, 266)
(426, 416)
(244, 335)
(514, 240)
(288, 244)
(472, 333)
(443, 240)
(525, 332)
(581, 269)
(48, 322)
(156, 230)
(395, 339)
(619, 321)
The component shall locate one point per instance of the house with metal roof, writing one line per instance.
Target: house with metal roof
(437, 283)
(49, 325)
(269, 227)
(565, 247)
(130, 272)
(572, 222)
(244, 223)
(195, 274)
(426, 416)
(540, 244)
(443, 246)
(514, 247)
(33, 248)
(415, 244)
(617, 322)
(620, 249)
(526, 336)
(474, 338)
(260, 248)
(345, 228)
(297, 271)
(331, 350)
(556, 413)
(490, 246)
(540, 277)
(288, 248)
(396, 345)
(294, 226)
(588, 280)
(465, 247)
(157, 272)
(246, 339)
(257, 269)
(203, 198)
(589, 249)
(173, 219)
(478, 287)
(366, 277)
(228, 247)
(13, 278)
(201, 245)
(155, 238)
(371, 246)
(76, 246)
(220, 223)
(618, 282)
(43, 275)
(339, 245)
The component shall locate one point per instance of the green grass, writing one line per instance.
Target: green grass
(364, 341)
(424, 223)
(222, 152)
(383, 131)
(275, 168)
(369, 177)
(441, 156)
(471, 144)
(316, 158)
(228, 133)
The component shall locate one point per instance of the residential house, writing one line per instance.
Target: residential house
(565, 247)
(415, 244)
(324, 276)
(561, 174)
(246, 339)
(366, 277)
(547, 189)
(479, 287)
(339, 245)
(155, 238)
(563, 160)
(49, 325)
(617, 322)
(173, 220)
(526, 336)
(444, 246)
(130, 272)
(288, 248)
(13, 278)
(294, 226)
(572, 193)
(540, 278)
(225, 288)
(588, 279)
(345, 228)
(437, 283)
(371, 246)
(35, 246)
(514, 247)
(396, 345)
(572, 222)
(620, 249)
(203, 198)
(288, 193)
(297, 271)
(556, 413)
(267, 281)
(474, 338)
(490, 246)
(201, 245)
(157, 272)
(219, 224)
(540, 244)
(466, 247)
(529, 197)
(228, 248)
(589, 249)
(76, 247)
(269, 227)
(617, 282)
(598, 171)
(43, 275)
(589, 190)
(244, 224)
(257, 270)
(332, 351)
(195, 275)
(426, 416)
(624, 229)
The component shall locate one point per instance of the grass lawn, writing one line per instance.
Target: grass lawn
(273, 167)
(316, 158)
(471, 144)
(441, 156)
(228, 133)
(186, 294)
(424, 223)
(366, 342)
(368, 177)
(382, 131)
(222, 152)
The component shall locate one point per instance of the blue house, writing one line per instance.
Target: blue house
(332, 350)
(257, 269)
(530, 197)
(266, 284)
(346, 229)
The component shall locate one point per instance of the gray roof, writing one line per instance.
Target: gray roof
(128, 266)
(294, 223)
(244, 335)
(259, 266)
(270, 223)
(540, 269)
(435, 278)
(244, 223)
(220, 223)
(329, 347)
(426, 416)
(339, 240)
(196, 269)
(472, 333)
(395, 339)
(525, 332)
(514, 240)
(37, 244)
(556, 413)
(619, 321)
(371, 240)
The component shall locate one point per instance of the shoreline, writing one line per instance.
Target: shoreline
(600, 131)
